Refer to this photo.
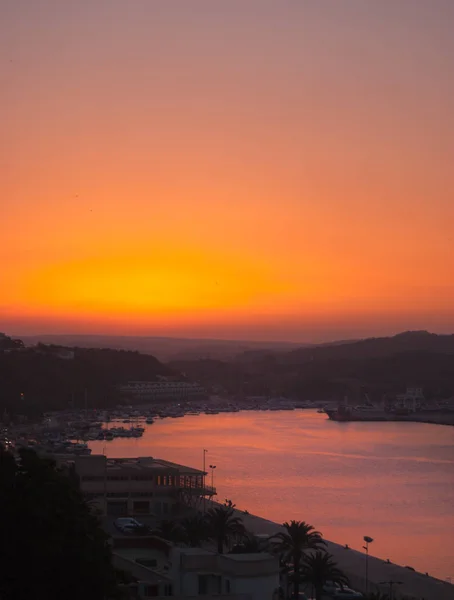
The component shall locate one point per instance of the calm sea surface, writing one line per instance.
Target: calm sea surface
(392, 481)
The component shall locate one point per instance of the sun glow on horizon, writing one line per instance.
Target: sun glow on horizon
(160, 176)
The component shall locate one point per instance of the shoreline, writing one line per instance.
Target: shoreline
(448, 422)
(415, 585)
(262, 525)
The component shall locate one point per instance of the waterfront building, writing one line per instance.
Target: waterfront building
(411, 400)
(148, 391)
(143, 486)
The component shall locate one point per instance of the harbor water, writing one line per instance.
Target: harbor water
(391, 481)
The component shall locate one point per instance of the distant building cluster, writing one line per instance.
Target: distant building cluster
(7, 344)
(55, 351)
(412, 399)
(161, 390)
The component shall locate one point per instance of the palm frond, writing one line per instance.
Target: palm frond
(319, 567)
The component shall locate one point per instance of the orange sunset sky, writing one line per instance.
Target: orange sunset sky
(256, 169)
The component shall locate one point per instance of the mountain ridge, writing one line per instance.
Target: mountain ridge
(163, 347)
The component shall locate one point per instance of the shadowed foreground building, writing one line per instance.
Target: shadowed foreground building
(162, 570)
(153, 487)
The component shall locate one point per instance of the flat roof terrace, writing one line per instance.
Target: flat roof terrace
(148, 463)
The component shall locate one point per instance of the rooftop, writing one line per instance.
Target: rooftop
(140, 572)
(143, 463)
(132, 545)
(196, 552)
(247, 565)
(248, 557)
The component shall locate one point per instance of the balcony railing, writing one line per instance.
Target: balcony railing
(206, 490)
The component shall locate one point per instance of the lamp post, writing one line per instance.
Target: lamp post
(391, 587)
(203, 480)
(368, 541)
(212, 467)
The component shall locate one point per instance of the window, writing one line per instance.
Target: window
(203, 587)
(147, 562)
(142, 507)
(151, 591)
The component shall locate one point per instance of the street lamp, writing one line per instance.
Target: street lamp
(212, 467)
(203, 480)
(368, 541)
(391, 586)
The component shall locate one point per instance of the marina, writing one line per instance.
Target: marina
(393, 481)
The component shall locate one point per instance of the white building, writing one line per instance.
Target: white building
(163, 570)
(411, 400)
(137, 486)
(161, 390)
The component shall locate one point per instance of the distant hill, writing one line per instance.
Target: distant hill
(376, 366)
(33, 380)
(164, 348)
(408, 341)
(53, 379)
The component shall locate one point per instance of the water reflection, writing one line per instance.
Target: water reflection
(393, 481)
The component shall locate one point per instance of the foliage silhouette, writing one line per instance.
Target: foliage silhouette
(298, 537)
(51, 545)
(195, 530)
(224, 525)
(170, 530)
(318, 568)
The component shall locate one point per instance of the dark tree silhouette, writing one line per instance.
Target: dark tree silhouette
(170, 531)
(195, 530)
(49, 383)
(224, 525)
(248, 545)
(298, 537)
(318, 568)
(51, 544)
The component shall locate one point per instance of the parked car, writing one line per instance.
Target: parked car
(128, 525)
(340, 592)
(347, 594)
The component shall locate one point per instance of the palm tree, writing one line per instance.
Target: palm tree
(195, 530)
(169, 530)
(318, 568)
(223, 525)
(298, 537)
(248, 545)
